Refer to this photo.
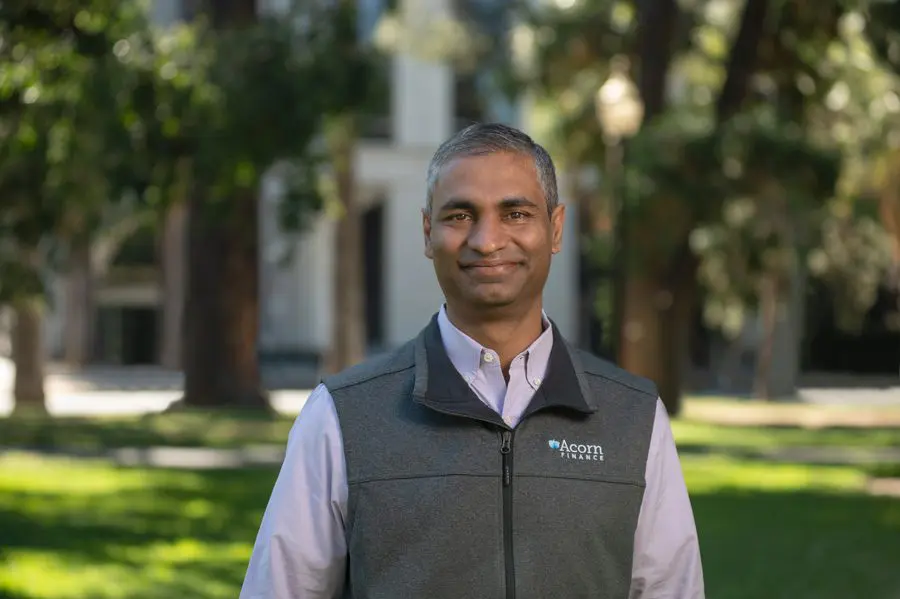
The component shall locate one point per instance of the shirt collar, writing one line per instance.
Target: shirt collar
(465, 353)
(438, 385)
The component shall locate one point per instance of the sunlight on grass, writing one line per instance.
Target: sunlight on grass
(717, 473)
(87, 529)
(689, 432)
(44, 574)
(36, 474)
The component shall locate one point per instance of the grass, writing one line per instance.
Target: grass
(86, 529)
(793, 531)
(194, 428)
(81, 529)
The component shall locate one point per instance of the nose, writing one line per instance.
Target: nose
(487, 236)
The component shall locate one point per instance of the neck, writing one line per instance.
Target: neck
(508, 334)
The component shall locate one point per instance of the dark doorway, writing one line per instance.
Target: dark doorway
(139, 331)
(874, 350)
(373, 273)
(127, 336)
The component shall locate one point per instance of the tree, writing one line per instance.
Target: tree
(700, 67)
(65, 147)
(243, 95)
(361, 87)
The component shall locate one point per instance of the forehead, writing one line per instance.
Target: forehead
(488, 178)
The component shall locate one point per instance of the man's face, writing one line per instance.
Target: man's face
(489, 233)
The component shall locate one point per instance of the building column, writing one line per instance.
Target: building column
(422, 90)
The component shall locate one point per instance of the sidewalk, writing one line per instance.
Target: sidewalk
(134, 391)
(815, 408)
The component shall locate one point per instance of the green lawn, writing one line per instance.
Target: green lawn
(190, 428)
(90, 530)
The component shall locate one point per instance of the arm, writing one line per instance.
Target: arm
(666, 550)
(300, 550)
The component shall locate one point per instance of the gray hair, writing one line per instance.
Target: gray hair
(481, 139)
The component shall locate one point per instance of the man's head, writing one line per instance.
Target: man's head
(492, 219)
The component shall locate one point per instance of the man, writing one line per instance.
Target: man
(486, 458)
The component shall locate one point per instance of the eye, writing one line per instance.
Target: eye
(458, 217)
(517, 215)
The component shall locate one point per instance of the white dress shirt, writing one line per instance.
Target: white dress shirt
(301, 550)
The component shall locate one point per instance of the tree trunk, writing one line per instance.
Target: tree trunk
(174, 280)
(787, 344)
(677, 323)
(657, 19)
(768, 305)
(28, 357)
(349, 323)
(221, 362)
(646, 339)
(643, 333)
(79, 306)
(743, 59)
(221, 365)
(667, 311)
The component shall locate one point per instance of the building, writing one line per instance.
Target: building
(427, 103)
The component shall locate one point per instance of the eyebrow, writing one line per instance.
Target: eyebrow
(505, 203)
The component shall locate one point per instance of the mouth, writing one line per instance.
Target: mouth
(490, 269)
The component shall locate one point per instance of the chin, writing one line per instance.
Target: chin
(493, 300)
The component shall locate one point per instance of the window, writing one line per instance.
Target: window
(477, 96)
(375, 120)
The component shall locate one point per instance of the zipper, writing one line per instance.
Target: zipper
(506, 438)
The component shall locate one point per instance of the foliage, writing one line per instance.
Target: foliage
(775, 186)
(99, 108)
(231, 104)
(852, 259)
(752, 192)
(65, 143)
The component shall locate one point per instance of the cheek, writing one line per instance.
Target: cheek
(446, 241)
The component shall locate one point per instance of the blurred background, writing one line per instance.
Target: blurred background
(206, 206)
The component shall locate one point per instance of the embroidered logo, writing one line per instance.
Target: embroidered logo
(576, 451)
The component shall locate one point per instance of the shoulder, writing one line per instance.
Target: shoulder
(375, 368)
(605, 372)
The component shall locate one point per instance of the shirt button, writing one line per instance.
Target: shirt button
(488, 357)
(536, 381)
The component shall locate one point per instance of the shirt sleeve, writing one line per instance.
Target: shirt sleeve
(666, 551)
(300, 550)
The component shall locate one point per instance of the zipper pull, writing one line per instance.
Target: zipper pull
(505, 448)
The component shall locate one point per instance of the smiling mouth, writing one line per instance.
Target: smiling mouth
(489, 269)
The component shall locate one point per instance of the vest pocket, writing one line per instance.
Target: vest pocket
(429, 536)
(581, 530)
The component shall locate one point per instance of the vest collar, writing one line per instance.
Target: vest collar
(439, 386)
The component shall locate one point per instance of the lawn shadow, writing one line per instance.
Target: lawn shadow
(798, 545)
(185, 428)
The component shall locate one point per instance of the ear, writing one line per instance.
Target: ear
(426, 231)
(557, 219)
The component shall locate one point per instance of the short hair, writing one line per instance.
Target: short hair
(482, 139)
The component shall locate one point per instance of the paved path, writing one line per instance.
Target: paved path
(187, 458)
(133, 391)
(136, 403)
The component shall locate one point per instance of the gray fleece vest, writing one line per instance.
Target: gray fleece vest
(447, 502)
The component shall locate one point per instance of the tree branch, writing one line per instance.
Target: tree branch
(657, 20)
(743, 59)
